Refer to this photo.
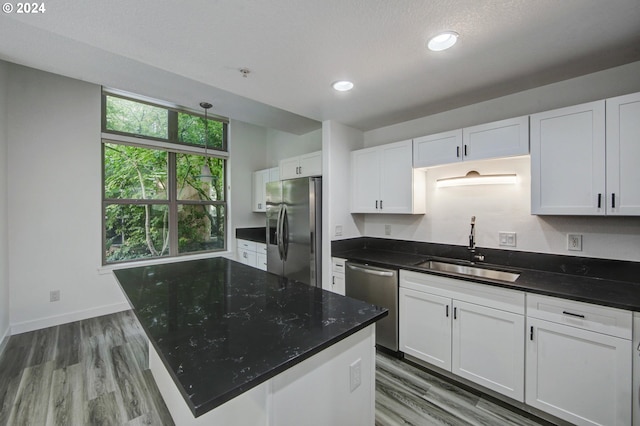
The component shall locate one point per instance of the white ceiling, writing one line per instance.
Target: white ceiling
(191, 51)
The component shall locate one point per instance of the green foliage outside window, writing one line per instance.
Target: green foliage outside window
(127, 116)
(142, 206)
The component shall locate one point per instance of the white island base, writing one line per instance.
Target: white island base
(321, 390)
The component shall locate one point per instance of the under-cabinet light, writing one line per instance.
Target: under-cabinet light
(475, 178)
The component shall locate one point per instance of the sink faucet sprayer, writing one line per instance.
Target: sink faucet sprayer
(472, 242)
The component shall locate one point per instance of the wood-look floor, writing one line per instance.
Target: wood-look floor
(95, 372)
(91, 372)
(406, 395)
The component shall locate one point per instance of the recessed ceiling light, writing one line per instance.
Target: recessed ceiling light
(443, 41)
(342, 86)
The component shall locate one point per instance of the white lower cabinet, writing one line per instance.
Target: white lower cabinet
(252, 253)
(425, 327)
(579, 361)
(472, 330)
(337, 275)
(488, 348)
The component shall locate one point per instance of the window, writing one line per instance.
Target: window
(164, 192)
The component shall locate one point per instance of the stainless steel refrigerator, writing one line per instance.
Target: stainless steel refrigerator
(294, 218)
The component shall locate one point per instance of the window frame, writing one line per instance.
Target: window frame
(172, 117)
(173, 148)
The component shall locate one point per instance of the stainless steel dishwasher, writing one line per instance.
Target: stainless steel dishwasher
(378, 286)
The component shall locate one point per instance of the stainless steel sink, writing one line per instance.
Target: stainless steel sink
(473, 271)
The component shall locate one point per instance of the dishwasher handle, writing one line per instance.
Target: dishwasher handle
(377, 272)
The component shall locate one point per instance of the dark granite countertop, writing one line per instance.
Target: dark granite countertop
(257, 234)
(221, 327)
(599, 281)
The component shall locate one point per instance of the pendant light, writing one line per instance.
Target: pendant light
(205, 173)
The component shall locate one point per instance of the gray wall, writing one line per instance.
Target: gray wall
(54, 201)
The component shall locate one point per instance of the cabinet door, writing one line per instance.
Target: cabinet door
(289, 168)
(396, 180)
(568, 160)
(274, 174)
(441, 148)
(261, 261)
(337, 275)
(488, 348)
(578, 375)
(623, 155)
(365, 180)
(247, 257)
(338, 284)
(311, 164)
(261, 256)
(260, 179)
(425, 327)
(503, 138)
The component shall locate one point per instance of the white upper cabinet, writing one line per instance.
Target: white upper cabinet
(623, 155)
(301, 166)
(585, 164)
(441, 148)
(504, 138)
(383, 180)
(258, 189)
(568, 160)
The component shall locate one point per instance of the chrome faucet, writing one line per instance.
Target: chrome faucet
(472, 242)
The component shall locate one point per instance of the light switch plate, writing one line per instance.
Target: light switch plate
(387, 230)
(507, 239)
(338, 230)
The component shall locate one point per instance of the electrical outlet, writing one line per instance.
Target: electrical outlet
(355, 374)
(338, 230)
(507, 239)
(574, 242)
(387, 230)
(54, 295)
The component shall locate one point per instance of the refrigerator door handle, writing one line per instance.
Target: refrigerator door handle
(279, 231)
(285, 232)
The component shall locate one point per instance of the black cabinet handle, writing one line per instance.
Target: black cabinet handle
(458, 151)
(613, 200)
(455, 313)
(380, 204)
(447, 311)
(376, 204)
(599, 200)
(465, 150)
(531, 335)
(572, 314)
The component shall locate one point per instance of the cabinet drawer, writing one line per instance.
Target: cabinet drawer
(247, 245)
(337, 265)
(471, 292)
(601, 319)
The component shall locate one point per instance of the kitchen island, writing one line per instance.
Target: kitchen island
(231, 344)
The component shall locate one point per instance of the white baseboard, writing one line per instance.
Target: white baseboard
(51, 321)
